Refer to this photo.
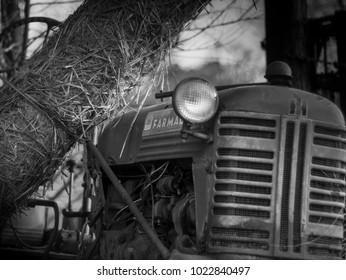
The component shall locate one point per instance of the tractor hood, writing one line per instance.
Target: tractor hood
(155, 133)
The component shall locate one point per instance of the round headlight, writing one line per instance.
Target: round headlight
(195, 100)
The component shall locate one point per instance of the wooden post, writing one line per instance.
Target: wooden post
(339, 23)
(287, 38)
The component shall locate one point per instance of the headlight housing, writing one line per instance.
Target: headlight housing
(195, 100)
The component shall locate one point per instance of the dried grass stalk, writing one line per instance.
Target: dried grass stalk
(93, 65)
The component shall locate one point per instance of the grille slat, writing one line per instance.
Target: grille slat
(240, 232)
(241, 200)
(328, 252)
(243, 176)
(245, 153)
(325, 220)
(228, 131)
(330, 131)
(343, 243)
(328, 174)
(228, 211)
(327, 197)
(330, 143)
(239, 244)
(286, 186)
(242, 188)
(248, 121)
(299, 189)
(244, 164)
(324, 240)
(329, 162)
(325, 208)
(333, 187)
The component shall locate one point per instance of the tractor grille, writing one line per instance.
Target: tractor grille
(244, 180)
(276, 193)
(286, 184)
(295, 138)
(327, 190)
(297, 218)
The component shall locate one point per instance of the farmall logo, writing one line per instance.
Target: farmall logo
(161, 122)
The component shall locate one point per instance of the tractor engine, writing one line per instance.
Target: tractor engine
(164, 192)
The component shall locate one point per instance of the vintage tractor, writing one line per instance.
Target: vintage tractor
(230, 172)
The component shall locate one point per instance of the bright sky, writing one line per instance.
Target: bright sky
(228, 44)
(225, 43)
(55, 11)
(236, 46)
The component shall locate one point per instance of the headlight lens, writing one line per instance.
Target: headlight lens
(195, 100)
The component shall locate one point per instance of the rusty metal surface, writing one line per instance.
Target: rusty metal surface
(242, 200)
(278, 187)
(113, 144)
(148, 144)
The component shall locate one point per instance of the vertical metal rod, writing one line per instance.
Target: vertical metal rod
(69, 207)
(125, 196)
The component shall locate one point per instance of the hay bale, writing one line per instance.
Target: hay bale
(93, 65)
(31, 149)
